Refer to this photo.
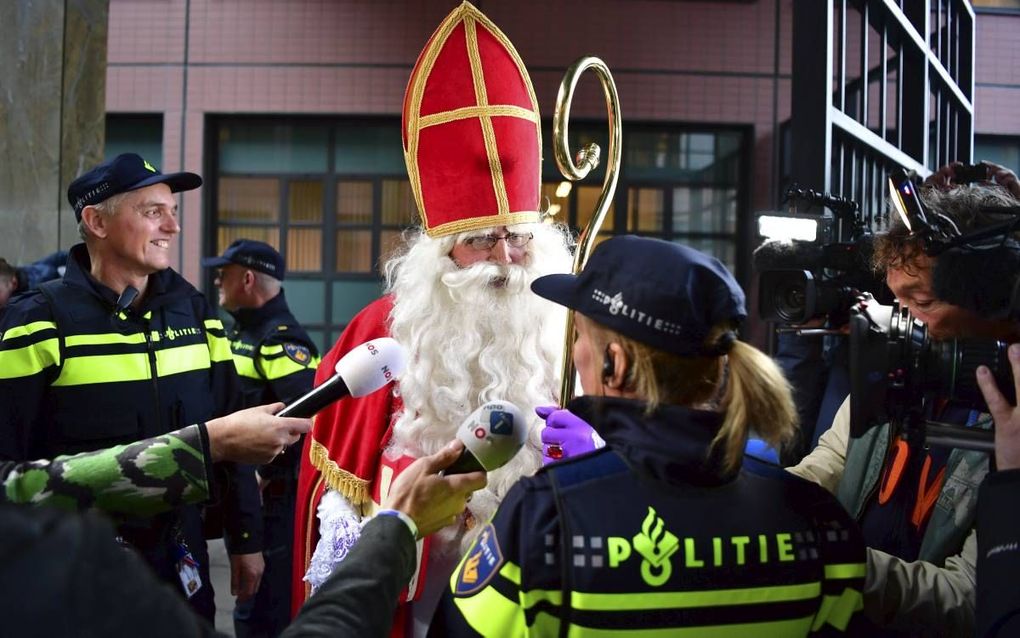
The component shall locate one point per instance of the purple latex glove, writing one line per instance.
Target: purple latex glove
(565, 435)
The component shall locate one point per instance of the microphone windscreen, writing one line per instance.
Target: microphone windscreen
(494, 433)
(777, 255)
(980, 280)
(371, 365)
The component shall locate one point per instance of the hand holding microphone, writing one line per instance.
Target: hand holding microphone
(253, 435)
(431, 498)
(435, 489)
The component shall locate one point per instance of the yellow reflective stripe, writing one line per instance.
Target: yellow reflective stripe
(269, 351)
(218, 348)
(548, 625)
(113, 368)
(245, 366)
(512, 573)
(29, 360)
(183, 359)
(846, 570)
(104, 339)
(104, 368)
(588, 601)
(490, 613)
(29, 328)
(837, 610)
(283, 366)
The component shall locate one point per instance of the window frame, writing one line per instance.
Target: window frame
(740, 239)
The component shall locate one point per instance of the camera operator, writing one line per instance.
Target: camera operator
(998, 597)
(916, 505)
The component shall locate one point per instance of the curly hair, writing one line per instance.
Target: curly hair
(966, 205)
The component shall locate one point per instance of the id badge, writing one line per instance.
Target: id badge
(187, 571)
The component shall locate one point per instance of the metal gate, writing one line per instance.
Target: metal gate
(876, 84)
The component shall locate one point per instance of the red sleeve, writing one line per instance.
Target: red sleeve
(345, 444)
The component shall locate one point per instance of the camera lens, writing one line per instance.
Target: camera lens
(952, 366)
(789, 300)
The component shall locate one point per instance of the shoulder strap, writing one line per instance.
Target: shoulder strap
(268, 332)
(49, 291)
(566, 567)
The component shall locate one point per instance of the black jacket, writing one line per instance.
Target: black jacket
(276, 361)
(63, 575)
(81, 374)
(998, 566)
(275, 357)
(650, 533)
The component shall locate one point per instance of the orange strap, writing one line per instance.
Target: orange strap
(927, 494)
(894, 470)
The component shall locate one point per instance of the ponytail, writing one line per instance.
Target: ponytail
(755, 390)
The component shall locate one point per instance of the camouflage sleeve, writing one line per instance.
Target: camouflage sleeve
(139, 479)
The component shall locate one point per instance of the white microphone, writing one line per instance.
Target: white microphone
(361, 371)
(492, 435)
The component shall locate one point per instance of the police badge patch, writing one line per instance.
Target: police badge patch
(297, 354)
(482, 562)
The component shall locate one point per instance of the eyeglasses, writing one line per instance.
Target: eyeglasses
(486, 242)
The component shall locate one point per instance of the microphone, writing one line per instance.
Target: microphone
(983, 280)
(850, 256)
(361, 371)
(777, 254)
(491, 435)
(125, 300)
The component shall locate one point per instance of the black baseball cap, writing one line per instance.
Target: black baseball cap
(252, 254)
(661, 294)
(126, 172)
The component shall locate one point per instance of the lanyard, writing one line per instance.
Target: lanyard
(927, 492)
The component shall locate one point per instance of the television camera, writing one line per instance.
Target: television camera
(813, 266)
(898, 374)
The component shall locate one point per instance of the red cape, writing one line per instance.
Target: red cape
(345, 444)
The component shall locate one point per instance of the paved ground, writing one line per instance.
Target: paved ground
(219, 568)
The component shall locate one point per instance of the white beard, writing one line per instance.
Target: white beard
(472, 342)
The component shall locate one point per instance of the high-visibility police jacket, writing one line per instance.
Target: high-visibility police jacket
(275, 357)
(649, 537)
(276, 360)
(77, 374)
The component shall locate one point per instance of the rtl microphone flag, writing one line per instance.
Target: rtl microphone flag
(492, 435)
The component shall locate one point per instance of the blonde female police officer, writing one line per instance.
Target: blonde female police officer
(661, 532)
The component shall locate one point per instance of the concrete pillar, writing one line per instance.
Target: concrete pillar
(52, 117)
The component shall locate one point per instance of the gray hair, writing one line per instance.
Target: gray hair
(106, 207)
(267, 284)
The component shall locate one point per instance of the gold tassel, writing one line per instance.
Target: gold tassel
(354, 489)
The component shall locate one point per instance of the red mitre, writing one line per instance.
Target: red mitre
(471, 129)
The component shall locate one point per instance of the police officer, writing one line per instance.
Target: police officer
(123, 348)
(661, 529)
(276, 361)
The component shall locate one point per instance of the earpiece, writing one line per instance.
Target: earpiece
(984, 281)
(608, 365)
